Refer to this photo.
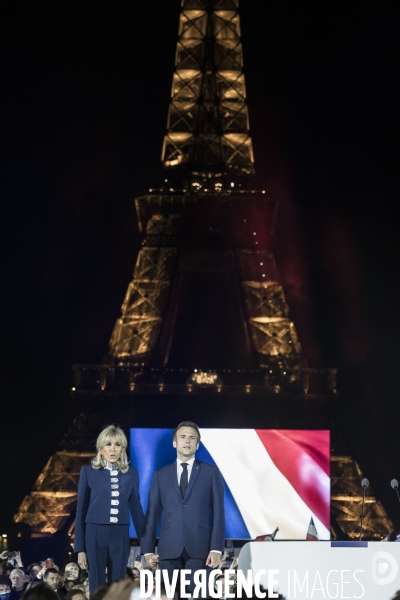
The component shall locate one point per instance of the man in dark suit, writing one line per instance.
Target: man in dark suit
(190, 495)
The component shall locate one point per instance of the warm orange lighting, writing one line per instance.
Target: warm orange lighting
(216, 71)
(204, 378)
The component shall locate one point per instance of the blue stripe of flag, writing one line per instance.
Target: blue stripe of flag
(151, 449)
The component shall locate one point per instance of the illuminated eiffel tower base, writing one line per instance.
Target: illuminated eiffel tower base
(204, 330)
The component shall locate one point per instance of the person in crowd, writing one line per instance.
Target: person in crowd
(101, 591)
(75, 594)
(32, 571)
(51, 578)
(81, 587)
(187, 491)
(133, 573)
(44, 568)
(60, 586)
(71, 571)
(10, 561)
(84, 582)
(69, 584)
(221, 585)
(13, 561)
(19, 583)
(5, 587)
(70, 579)
(228, 561)
(102, 527)
(33, 584)
(41, 591)
(66, 585)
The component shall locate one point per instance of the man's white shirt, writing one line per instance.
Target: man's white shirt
(179, 468)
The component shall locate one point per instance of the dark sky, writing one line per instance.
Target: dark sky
(85, 88)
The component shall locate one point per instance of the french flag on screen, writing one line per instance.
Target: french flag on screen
(272, 477)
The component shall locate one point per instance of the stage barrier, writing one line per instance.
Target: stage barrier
(325, 569)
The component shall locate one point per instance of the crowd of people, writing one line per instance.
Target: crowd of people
(46, 578)
(40, 581)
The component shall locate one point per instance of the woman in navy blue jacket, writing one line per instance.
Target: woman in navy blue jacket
(107, 490)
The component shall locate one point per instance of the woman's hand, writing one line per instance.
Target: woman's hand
(82, 560)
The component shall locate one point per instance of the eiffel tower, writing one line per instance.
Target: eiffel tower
(204, 330)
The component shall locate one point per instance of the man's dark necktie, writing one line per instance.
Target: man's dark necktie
(184, 479)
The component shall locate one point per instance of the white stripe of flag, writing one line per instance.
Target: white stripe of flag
(264, 497)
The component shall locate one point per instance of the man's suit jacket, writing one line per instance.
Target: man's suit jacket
(94, 501)
(195, 523)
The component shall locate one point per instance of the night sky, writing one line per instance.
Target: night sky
(85, 90)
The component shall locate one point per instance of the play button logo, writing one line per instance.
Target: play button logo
(384, 568)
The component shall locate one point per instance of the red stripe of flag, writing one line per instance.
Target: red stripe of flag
(303, 457)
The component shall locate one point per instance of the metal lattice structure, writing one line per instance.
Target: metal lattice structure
(50, 504)
(207, 240)
(136, 331)
(208, 121)
(273, 334)
(54, 494)
(346, 502)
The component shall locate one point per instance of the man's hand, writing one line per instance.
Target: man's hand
(82, 560)
(213, 560)
(151, 560)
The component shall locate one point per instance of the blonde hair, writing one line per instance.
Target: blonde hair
(111, 433)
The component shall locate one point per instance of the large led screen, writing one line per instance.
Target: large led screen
(272, 477)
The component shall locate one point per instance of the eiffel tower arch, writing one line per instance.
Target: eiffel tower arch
(204, 330)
